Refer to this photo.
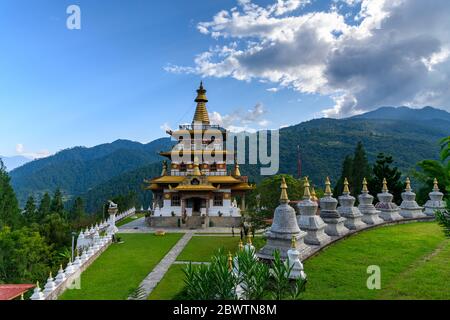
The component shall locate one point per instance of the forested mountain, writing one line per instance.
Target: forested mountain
(12, 163)
(79, 169)
(101, 172)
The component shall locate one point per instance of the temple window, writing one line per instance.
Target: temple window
(218, 200)
(183, 167)
(175, 202)
(213, 167)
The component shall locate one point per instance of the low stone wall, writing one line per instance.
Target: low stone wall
(193, 222)
(225, 222)
(75, 277)
(163, 222)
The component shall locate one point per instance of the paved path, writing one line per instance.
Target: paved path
(154, 277)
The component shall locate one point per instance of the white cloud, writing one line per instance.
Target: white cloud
(396, 53)
(239, 120)
(20, 150)
(165, 127)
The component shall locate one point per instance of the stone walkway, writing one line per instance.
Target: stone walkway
(154, 277)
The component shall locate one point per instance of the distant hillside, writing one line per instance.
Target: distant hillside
(112, 169)
(12, 163)
(79, 169)
(324, 143)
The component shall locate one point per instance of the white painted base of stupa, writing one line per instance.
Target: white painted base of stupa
(315, 230)
(335, 227)
(390, 215)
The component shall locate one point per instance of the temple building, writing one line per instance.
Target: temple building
(195, 188)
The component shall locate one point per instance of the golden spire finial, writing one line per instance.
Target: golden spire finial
(346, 189)
(21, 297)
(328, 191)
(249, 239)
(60, 267)
(237, 172)
(313, 194)
(241, 245)
(365, 189)
(408, 184)
(230, 261)
(50, 275)
(201, 113)
(293, 242)
(436, 185)
(284, 196)
(306, 192)
(196, 171)
(385, 188)
(37, 285)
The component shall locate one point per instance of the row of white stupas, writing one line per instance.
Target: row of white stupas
(312, 231)
(89, 243)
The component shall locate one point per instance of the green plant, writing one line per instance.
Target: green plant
(252, 275)
(280, 272)
(444, 221)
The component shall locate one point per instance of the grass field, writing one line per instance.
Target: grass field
(129, 219)
(413, 258)
(121, 268)
(201, 248)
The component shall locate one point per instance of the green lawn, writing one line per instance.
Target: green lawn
(340, 272)
(121, 268)
(413, 258)
(129, 219)
(201, 248)
(170, 285)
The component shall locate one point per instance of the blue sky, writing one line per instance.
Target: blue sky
(132, 68)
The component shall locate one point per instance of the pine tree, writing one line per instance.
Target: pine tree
(30, 213)
(9, 206)
(77, 211)
(383, 169)
(347, 171)
(57, 205)
(361, 169)
(44, 207)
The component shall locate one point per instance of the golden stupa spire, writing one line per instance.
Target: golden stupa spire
(201, 113)
(249, 239)
(313, 194)
(364, 188)
(328, 191)
(346, 188)
(408, 184)
(241, 245)
(306, 192)
(385, 188)
(230, 261)
(284, 196)
(436, 185)
(196, 171)
(293, 242)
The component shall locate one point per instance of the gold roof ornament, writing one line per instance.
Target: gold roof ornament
(364, 188)
(328, 191)
(293, 242)
(436, 185)
(385, 188)
(237, 172)
(408, 185)
(284, 196)
(164, 169)
(230, 261)
(249, 239)
(306, 192)
(241, 245)
(37, 285)
(196, 171)
(346, 188)
(201, 113)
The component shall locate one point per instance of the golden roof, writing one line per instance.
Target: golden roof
(195, 152)
(242, 186)
(201, 113)
(168, 179)
(223, 179)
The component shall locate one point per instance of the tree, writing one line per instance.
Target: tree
(361, 169)
(30, 212)
(9, 207)
(77, 212)
(383, 169)
(56, 231)
(266, 197)
(57, 205)
(431, 169)
(24, 256)
(347, 172)
(44, 206)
